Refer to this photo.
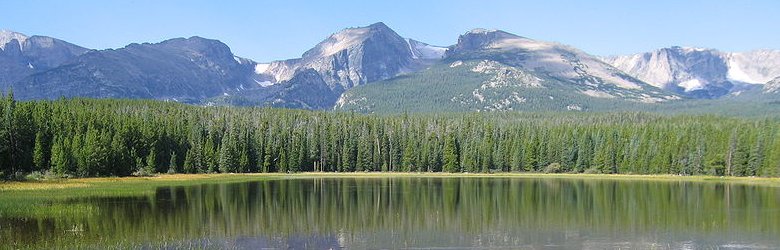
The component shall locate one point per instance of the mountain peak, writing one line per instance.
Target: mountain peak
(378, 25)
(481, 31)
(490, 33)
(7, 36)
(349, 38)
(688, 50)
(487, 39)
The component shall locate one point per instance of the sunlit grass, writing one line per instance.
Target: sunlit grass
(139, 184)
(36, 198)
(60, 201)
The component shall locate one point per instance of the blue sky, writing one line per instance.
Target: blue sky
(269, 30)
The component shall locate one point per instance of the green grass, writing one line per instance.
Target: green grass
(36, 199)
(57, 200)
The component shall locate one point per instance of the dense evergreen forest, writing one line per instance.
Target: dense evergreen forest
(86, 137)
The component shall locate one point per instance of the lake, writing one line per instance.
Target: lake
(413, 212)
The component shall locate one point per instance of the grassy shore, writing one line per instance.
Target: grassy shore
(134, 183)
(37, 198)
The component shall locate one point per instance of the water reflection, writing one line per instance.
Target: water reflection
(421, 213)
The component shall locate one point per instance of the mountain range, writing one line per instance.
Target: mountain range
(374, 69)
(698, 72)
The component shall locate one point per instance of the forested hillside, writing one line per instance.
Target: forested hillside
(86, 137)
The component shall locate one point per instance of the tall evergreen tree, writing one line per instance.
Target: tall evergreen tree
(40, 155)
(451, 155)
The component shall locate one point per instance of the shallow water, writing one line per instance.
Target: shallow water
(411, 212)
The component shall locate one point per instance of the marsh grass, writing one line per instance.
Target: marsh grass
(44, 199)
(67, 204)
(131, 185)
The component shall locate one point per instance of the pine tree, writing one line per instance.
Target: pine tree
(228, 159)
(408, 158)
(283, 167)
(40, 156)
(364, 153)
(189, 162)
(451, 155)
(267, 160)
(209, 155)
(531, 154)
(151, 162)
(60, 157)
(349, 156)
(122, 164)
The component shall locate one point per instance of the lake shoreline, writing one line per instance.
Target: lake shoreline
(184, 179)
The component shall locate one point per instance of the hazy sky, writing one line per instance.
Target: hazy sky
(269, 30)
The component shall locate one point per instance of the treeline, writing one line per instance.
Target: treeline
(84, 137)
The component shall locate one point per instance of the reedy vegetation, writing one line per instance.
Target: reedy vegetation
(85, 137)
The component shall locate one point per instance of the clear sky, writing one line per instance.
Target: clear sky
(269, 30)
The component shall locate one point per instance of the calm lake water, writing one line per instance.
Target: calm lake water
(410, 212)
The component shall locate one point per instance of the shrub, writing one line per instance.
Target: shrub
(553, 168)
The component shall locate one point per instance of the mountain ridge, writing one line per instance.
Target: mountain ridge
(499, 70)
(700, 72)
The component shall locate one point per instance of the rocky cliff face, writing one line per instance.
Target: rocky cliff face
(773, 86)
(546, 59)
(356, 56)
(21, 55)
(492, 70)
(700, 73)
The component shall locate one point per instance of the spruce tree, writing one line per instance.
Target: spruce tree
(151, 162)
(451, 155)
(60, 157)
(40, 154)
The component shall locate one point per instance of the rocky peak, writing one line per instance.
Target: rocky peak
(6, 36)
(352, 57)
(352, 38)
(482, 39)
(772, 86)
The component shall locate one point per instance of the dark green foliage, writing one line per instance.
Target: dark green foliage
(451, 163)
(82, 137)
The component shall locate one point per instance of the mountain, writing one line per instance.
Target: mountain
(373, 69)
(357, 56)
(348, 58)
(179, 69)
(772, 86)
(305, 90)
(700, 73)
(495, 70)
(22, 55)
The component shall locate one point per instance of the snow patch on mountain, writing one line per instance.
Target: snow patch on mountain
(754, 67)
(691, 85)
(264, 83)
(456, 64)
(6, 36)
(422, 50)
(699, 69)
(261, 68)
